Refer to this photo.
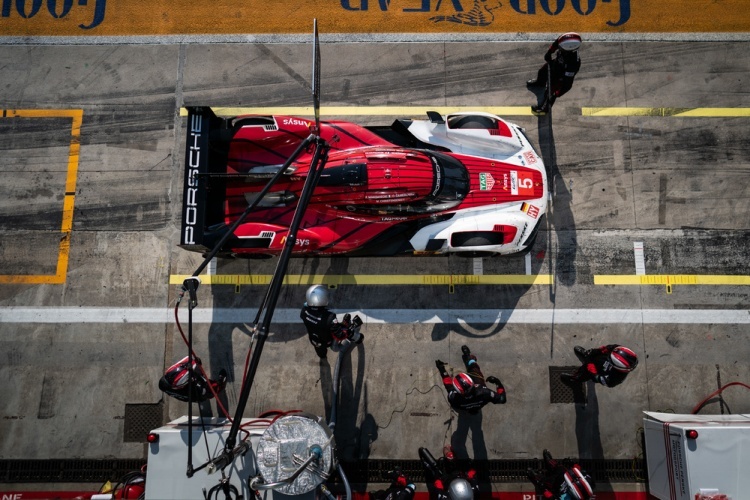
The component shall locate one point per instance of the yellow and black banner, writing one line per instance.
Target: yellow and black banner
(236, 17)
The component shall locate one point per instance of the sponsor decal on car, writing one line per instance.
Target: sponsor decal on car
(190, 218)
(521, 183)
(530, 210)
(530, 157)
(486, 182)
(295, 121)
(514, 182)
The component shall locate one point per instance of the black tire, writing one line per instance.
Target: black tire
(472, 122)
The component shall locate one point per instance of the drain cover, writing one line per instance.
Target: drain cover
(564, 393)
(140, 420)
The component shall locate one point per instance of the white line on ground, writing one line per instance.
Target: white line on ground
(61, 315)
(527, 261)
(640, 263)
(478, 266)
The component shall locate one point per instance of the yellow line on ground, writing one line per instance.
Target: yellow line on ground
(68, 198)
(406, 111)
(677, 112)
(420, 111)
(371, 279)
(671, 279)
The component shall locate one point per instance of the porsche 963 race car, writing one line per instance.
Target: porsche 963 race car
(468, 183)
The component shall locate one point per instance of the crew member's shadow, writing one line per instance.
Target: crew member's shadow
(466, 424)
(560, 213)
(588, 435)
(353, 441)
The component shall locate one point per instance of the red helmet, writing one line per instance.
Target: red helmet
(569, 42)
(463, 383)
(177, 375)
(624, 359)
(578, 484)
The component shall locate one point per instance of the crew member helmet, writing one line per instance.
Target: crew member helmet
(178, 375)
(569, 42)
(463, 383)
(460, 489)
(623, 359)
(579, 487)
(317, 296)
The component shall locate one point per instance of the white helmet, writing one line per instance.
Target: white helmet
(460, 489)
(569, 42)
(317, 296)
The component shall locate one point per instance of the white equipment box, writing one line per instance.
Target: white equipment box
(273, 453)
(687, 453)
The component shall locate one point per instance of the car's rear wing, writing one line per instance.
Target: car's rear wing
(204, 153)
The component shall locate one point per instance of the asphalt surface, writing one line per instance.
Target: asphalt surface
(676, 184)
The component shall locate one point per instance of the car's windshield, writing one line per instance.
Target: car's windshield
(451, 184)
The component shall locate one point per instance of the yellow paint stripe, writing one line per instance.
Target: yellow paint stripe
(419, 111)
(671, 279)
(678, 112)
(71, 176)
(371, 279)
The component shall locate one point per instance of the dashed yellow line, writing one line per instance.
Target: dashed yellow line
(419, 111)
(676, 112)
(671, 279)
(371, 279)
(71, 176)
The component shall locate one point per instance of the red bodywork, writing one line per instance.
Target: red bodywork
(345, 216)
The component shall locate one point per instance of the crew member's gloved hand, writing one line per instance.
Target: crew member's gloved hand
(440, 366)
(357, 321)
(494, 380)
(347, 319)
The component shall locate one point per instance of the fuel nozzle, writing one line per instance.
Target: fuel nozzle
(317, 452)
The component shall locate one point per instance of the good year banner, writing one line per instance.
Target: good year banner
(227, 17)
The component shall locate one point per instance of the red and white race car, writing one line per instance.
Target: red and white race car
(463, 183)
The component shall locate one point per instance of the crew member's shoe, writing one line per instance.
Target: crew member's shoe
(533, 476)
(581, 353)
(533, 83)
(539, 110)
(467, 355)
(568, 378)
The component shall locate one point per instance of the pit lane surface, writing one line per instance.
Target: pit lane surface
(678, 185)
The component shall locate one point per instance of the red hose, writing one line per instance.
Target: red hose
(716, 392)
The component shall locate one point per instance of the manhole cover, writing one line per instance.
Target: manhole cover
(560, 392)
(140, 420)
